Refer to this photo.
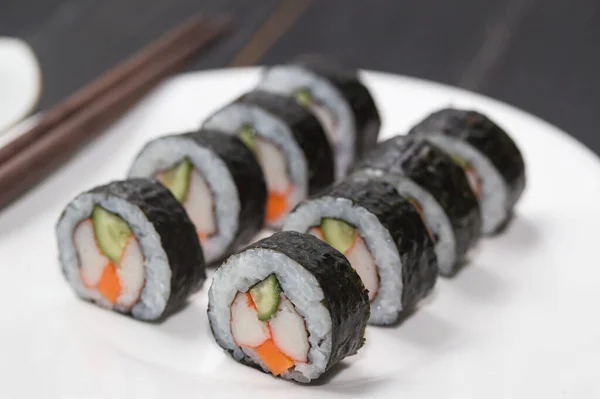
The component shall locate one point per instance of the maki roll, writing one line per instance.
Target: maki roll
(490, 158)
(288, 142)
(217, 180)
(336, 95)
(439, 190)
(290, 305)
(129, 246)
(383, 237)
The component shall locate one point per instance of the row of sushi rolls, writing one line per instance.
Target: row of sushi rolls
(361, 230)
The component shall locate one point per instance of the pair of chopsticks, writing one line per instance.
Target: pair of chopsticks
(85, 114)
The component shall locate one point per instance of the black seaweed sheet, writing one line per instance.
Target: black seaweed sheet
(484, 135)
(177, 234)
(307, 131)
(403, 222)
(347, 81)
(345, 295)
(248, 178)
(435, 172)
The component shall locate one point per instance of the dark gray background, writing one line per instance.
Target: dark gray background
(540, 55)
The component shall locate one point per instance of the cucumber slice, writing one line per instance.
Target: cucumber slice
(247, 135)
(338, 234)
(303, 97)
(459, 161)
(112, 233)
(177, 179)
(266, 297)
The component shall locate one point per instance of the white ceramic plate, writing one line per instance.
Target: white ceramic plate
(521, 321)
(20, 81)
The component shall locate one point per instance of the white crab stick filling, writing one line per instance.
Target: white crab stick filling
(273, 165)
(131, 273)
(199, 204)
(286, 327)
(246, 329)
(289, 331)
(360, 259)
(93, 262)
(324, 116)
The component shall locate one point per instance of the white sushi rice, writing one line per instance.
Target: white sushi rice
(387, 305)
(157, 287)
(243, 270)
(233, 117)
(494, 191)
(165, 152)
(433, 214)
(287, 79)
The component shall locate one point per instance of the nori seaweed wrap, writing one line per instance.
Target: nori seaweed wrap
(290, 305)
(289, 143)
(336, 94)
(491, 159)
(130, 246)
(220, 184)
(438, 187)
(383, 237)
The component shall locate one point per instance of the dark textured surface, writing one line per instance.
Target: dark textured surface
(248, 178)
(541, 56)
(177, 234)
(77, 40)
(435, 172)
(399, 217)
(345, 297)
(307, 131)
(485, 136)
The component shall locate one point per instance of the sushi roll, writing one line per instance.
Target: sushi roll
(217, 180)
(288, 142)
(130, 247)
(383, 237)
(337, 96)
(490, 158)
(439, 190)
(289, 305)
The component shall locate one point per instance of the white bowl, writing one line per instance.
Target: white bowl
(20, 81)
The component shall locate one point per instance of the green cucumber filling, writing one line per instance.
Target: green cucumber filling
(177, 179)
(266, 297)
(247, 134)
(338, 234)
(111, 232)
(303, 97)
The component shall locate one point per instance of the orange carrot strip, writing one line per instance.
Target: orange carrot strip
(276, 206)
(202, 236)
(275, 361)
(109, 285)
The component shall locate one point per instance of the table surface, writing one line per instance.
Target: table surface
(541, 56)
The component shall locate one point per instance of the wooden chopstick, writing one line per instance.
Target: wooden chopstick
(101, 85)
(84, 115)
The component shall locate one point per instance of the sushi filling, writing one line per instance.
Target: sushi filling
(419, 210)
(471, 174)
(275, 170)
(189, 187)
(329, 123)
(111, 262)
(266, 325)
(348, 241)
